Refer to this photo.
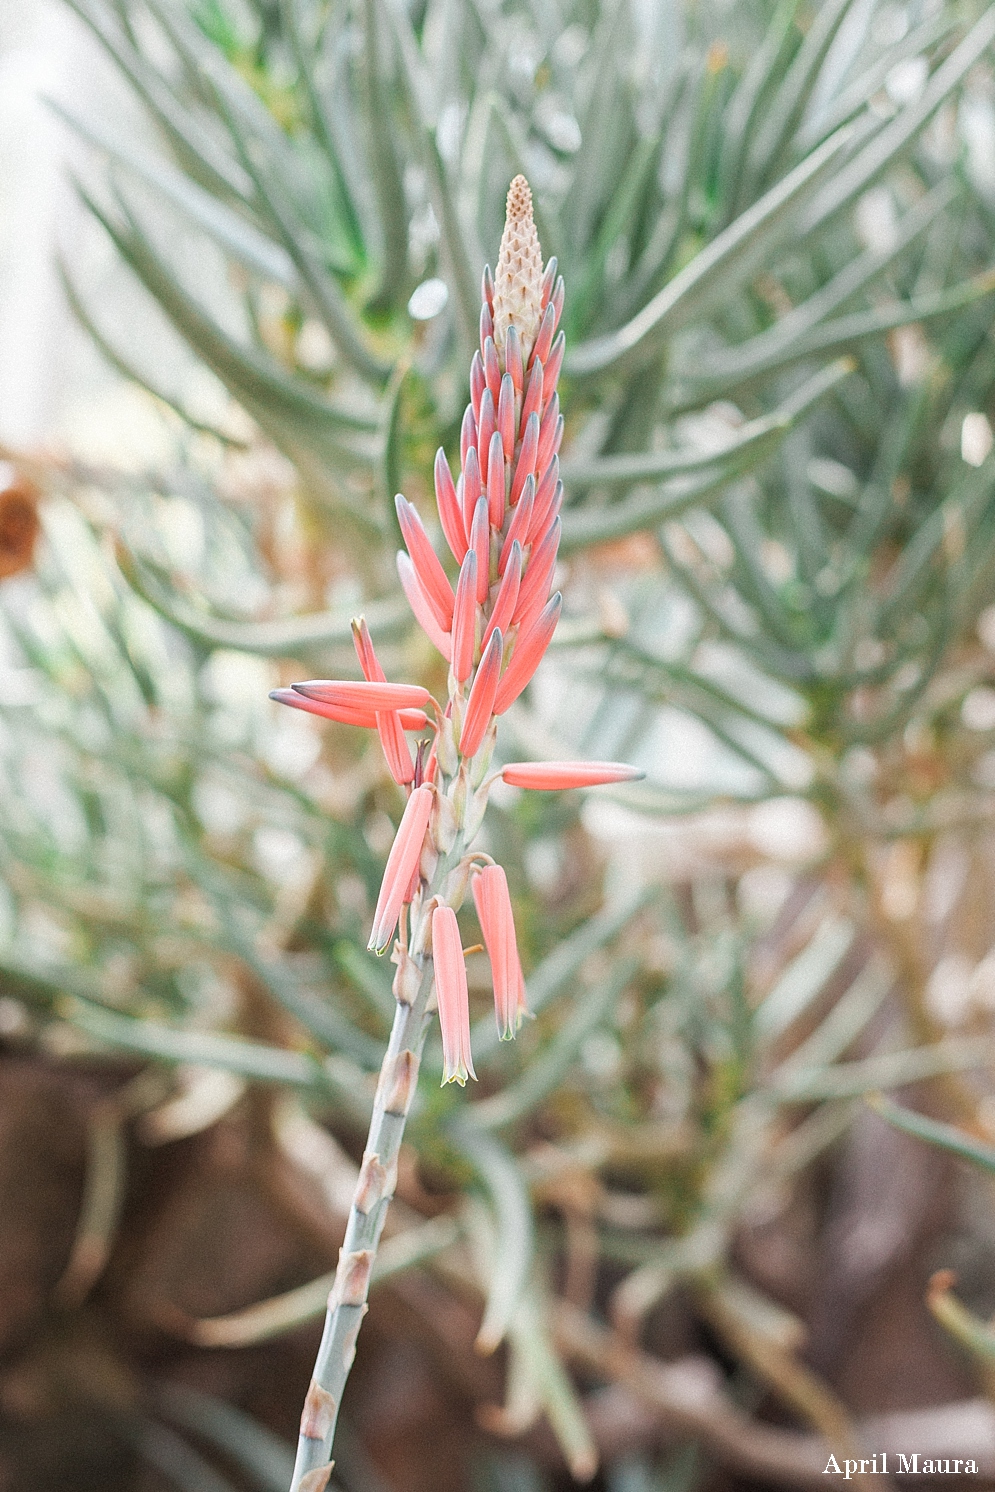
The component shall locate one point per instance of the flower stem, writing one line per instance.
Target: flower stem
(374, 1189)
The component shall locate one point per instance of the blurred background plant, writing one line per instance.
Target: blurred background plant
(707, 1256)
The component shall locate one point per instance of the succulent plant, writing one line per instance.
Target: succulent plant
(775, 556)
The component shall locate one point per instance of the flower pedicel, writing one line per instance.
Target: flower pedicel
(501, 524)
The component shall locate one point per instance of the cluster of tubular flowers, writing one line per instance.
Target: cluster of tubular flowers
(500, 519)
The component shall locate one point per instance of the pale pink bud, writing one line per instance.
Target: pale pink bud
(389, 727)
(554, 362)
(472, 486)
(536, 580)
(528, 654)
(487, 286)
(513, 359)
(480, 542)
(449, 509)
(477, 384)
(550, 433)
(419, 603)
(497, 923)
(495, 481)
(551, 776)
(465, 618)
(452, 997)
(557, 299)
(544, 341)
(431, 576)
(541, 517)
(486, 325)
(520, 524)
(507, 596)
(533, 396)
(486, 425)
(467, 434)
(548, 279)
(506, 416)
(527, 457)
(353, 694)
(492, 370)
(480, 705)
(402, 862)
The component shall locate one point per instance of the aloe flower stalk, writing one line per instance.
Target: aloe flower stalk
(493, 626)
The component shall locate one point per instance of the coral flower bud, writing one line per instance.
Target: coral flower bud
(536, 581)
(486, 325)
(480, 705)
(356, 694)
(431, 576)
(367, 719)
(557, 298)
(480, 542)
(520, 523)
(528, 654)
(551, 776)
(418, 601)
(472, 486)
(541, 515)
(544, 341)
(465, 618)
(550, 434)
(548, 280)
(513, 359)
(487, 286)
(507, 596)
(497, 923)
(495, 481)
(402, 862)
(533, 402)
(477, 384)
(449, 509)
(555, 362)
(452, 997)
(492, 370)
(506, 416)
(486, 425)
(527, 457)
(467, 434)
(389, 726)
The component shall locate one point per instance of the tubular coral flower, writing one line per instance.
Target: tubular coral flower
(465, 618)
(507, 596)
(550, 776)
(497, 923)
(402, 862)
(449, 508)
(367, 719)
(389, 727)
(365, 695)
(536, 580)
(480, 705)
(453, 999)
(520, 524)
(528, 654)
(431, 576)
(418, 601)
